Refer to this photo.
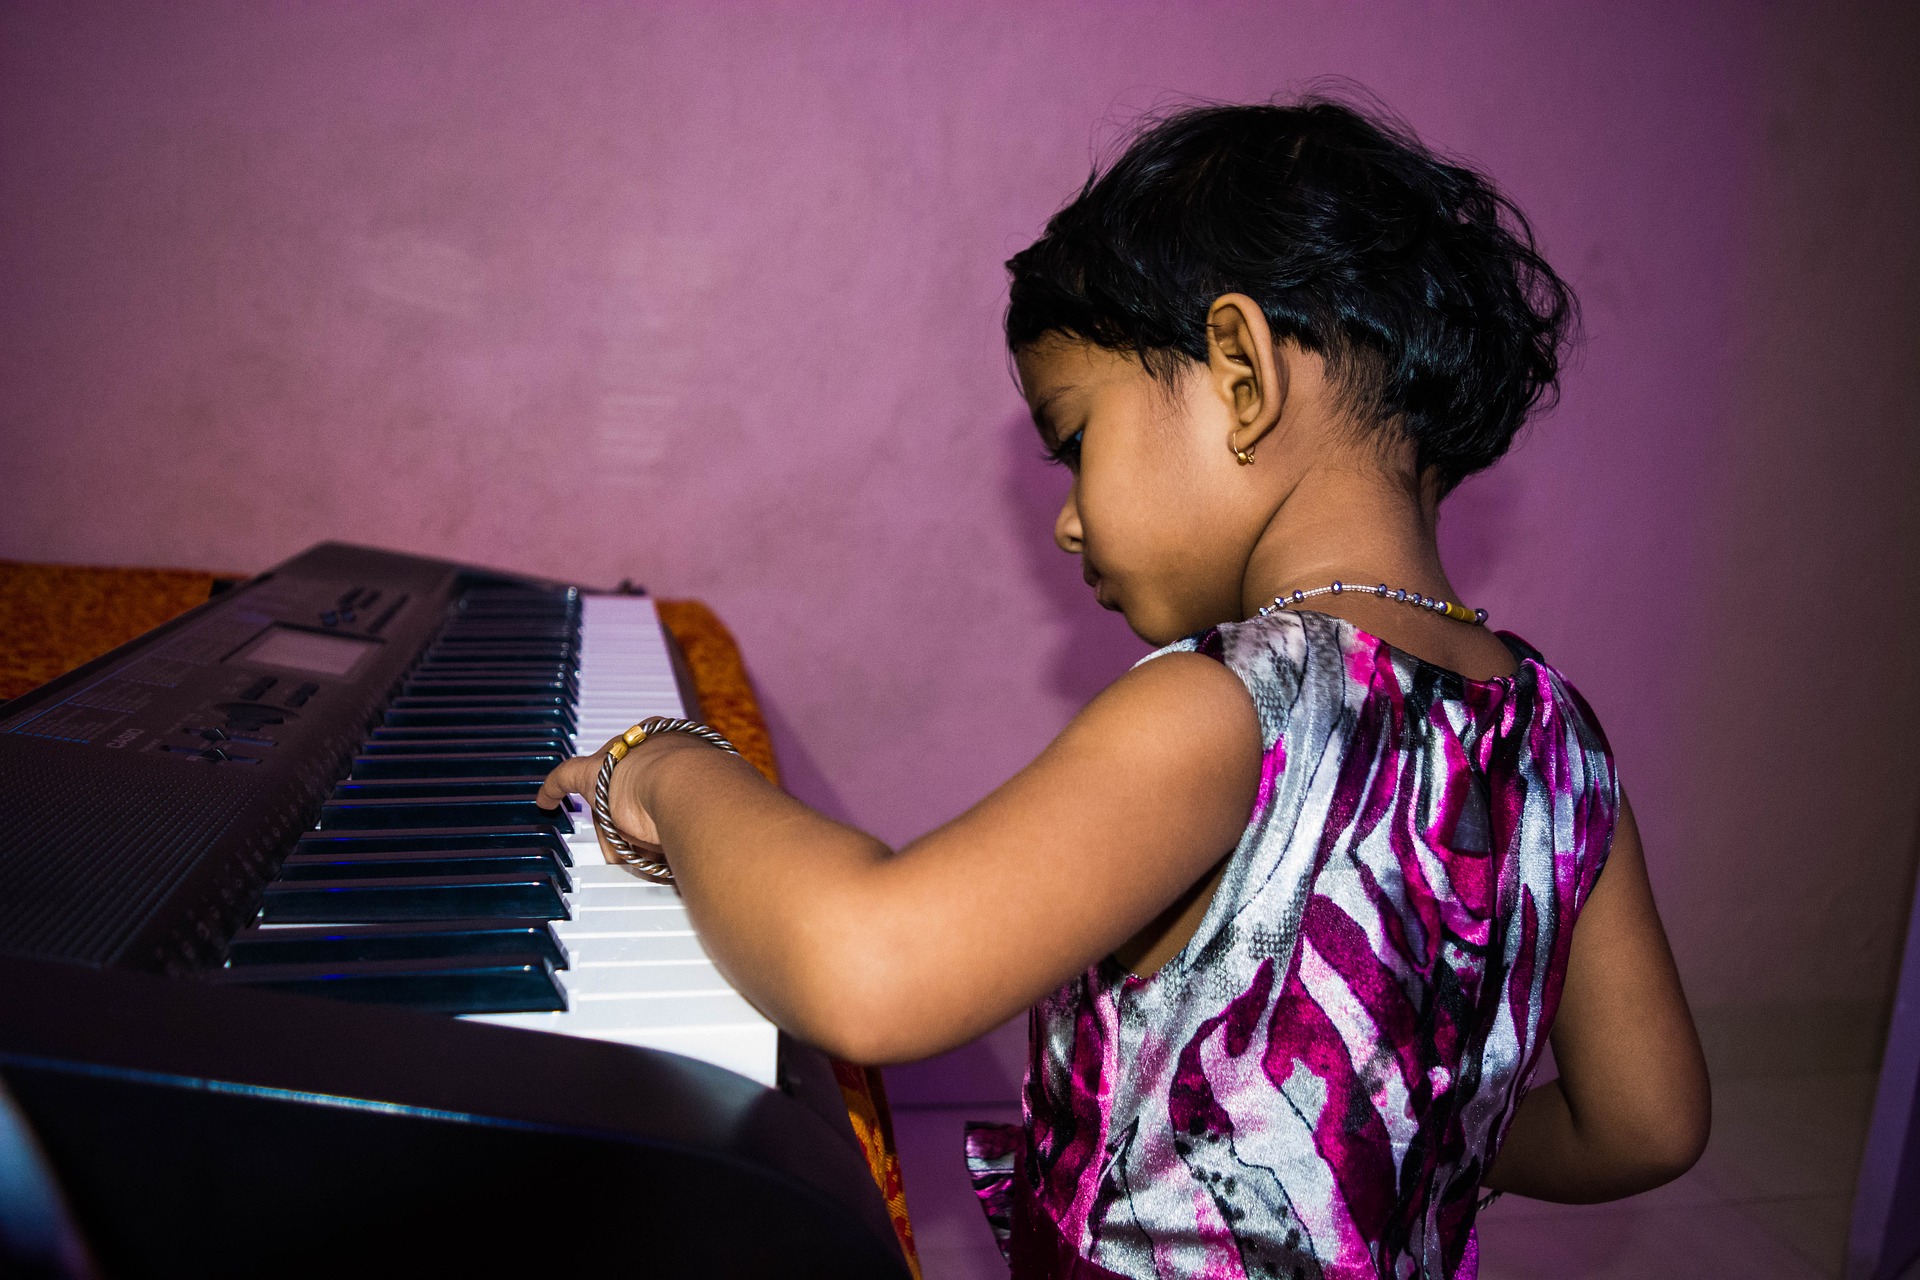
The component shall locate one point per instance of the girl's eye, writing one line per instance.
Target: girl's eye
(1067, 452)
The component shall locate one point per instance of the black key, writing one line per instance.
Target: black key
(457, 733)
(456, 984)
(429, 744)
(373, 900)
(458, 679)
(427, 839)
(415, 940)
(482, 702)
(404, 788)
(479, 718)
(484, 707)
(507, 648)
(442, 811)
(438, 686)
(426, 862)
(554, 601)
(474, 637)
(471, 620)
(467, 662)
(497, 619)
(495, 671)
(506, 634)
(479, 764)
(521, 653)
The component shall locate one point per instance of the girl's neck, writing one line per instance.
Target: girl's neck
(1355, 524)
(1359, 526)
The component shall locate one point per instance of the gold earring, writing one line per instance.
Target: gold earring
(1243, 456)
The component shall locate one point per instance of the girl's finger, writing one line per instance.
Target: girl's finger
(570, 777)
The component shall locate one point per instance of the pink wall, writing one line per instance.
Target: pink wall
(708, 296)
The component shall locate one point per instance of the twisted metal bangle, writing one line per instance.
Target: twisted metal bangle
(643, 858)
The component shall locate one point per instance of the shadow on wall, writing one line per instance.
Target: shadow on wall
(800, 773)
(1478, 524)
(1092, 648)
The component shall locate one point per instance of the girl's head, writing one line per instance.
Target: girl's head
(1374, 300)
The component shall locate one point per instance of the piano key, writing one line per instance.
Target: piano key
(479, 764)
(472, 733)
(640, 949)
(548, 744)
(467, 679)
(480, 701)
(509, 984)
(478, 717)
(384, 899)
(438, 811)
(609, 980)
(511, 626)
(400, 788)
(548, 664)
(489, 649)
(421, 839)
(492, 662)
(510, 622)
(411, 940)
(590, 923)
(437, 862)
(468, 686)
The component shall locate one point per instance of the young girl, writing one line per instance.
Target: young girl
(1295, 902)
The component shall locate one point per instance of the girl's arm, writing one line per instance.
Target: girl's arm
(882, 957)
(1631, 1107)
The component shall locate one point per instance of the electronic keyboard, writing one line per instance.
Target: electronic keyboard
(273, 883)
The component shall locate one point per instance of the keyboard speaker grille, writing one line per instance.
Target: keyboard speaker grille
(87, 856)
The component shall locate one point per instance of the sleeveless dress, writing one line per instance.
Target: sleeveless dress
(1314, 1086)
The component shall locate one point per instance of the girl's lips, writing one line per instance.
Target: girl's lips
(1099, 586)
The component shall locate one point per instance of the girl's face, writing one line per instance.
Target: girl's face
(1160, 514)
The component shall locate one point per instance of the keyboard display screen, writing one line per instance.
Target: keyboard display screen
(311, 652)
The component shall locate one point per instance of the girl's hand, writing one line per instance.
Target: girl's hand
(578, 776)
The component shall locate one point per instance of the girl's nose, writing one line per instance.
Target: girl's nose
(1067, 534)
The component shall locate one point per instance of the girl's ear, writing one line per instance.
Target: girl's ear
(1242, 369)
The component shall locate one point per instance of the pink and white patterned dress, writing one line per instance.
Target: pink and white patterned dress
(1314, 1086)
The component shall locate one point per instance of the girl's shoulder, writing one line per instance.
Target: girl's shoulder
(1275, 655)
(1299, 663)
(1282, 640)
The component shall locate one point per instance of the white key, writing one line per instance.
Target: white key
(636, 972)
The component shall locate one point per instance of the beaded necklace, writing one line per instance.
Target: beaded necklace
(1458, 612)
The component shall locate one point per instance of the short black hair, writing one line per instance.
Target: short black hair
(1410, 273)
